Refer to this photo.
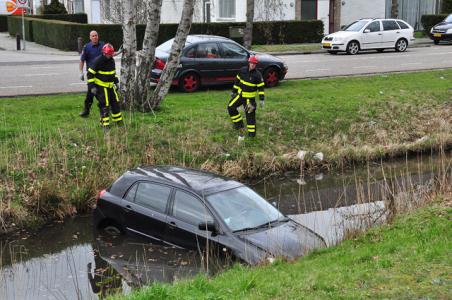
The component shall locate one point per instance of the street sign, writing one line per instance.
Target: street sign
(22, 3)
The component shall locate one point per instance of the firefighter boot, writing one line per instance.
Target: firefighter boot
(85, 111)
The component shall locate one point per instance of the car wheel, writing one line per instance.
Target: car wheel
(190, 82)
(380, 50)
(332, 52)
(353, 48)
(436, 42)
(271, 77)
(401, 45)
(112, 230)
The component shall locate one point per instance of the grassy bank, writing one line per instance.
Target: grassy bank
(408, 259)
(52, 162)
(286, 48)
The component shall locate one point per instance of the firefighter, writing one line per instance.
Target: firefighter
(89, 53)
(103, 82)
(248, 84)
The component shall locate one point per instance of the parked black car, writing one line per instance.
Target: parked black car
(442, 31)
(191, 209)
(212, 60)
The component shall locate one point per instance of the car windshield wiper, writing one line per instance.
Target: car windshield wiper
(265, 225)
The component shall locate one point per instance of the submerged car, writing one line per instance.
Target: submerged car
(193, 209)
(442, 31)
(370, 34)
(214, 60)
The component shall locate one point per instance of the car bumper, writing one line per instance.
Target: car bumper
(441, 36)
(332, 46)
(155, 77)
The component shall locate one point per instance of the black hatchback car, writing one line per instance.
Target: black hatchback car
(213, 60)
(192, 209)
(442, 31)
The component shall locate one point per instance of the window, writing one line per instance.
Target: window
(153, 196)
(403, 25)
(390, 25)
(208, 50)
(233, 51)
(356, 26)
(374, 26)
(227, 9)
(189, 209)
(190, 53)
(308, 9)
(131, 193)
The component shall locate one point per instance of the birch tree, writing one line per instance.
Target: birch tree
(248, 37)
(128, 59)
(167, 76)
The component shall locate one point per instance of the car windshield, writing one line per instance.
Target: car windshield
(242, 208)
(448, 19)
(356, 26)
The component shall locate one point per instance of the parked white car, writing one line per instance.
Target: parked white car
(370, 34)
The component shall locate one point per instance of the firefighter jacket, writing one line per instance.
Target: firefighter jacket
(249, 84)
(102, 72)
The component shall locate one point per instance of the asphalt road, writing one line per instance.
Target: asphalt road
(62, 75)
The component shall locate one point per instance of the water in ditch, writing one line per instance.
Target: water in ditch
(69, 260)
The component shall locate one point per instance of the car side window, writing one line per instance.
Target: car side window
(131, 193)
(374, 26)
(207, 50)
(390, 25)
(152, 196)
(231, 50)
(403, 25)
(190, 53)
(190, 209)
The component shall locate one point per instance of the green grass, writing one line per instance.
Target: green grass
(286, 47)
(52, 162)
(420, 34)
(409, 259)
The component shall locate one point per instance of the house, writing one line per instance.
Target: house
(333, 13)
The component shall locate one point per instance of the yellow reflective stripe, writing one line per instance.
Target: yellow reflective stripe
(261, 93)
(251, 126)
(261, 84)
(105, 119)
(237, 116)
(248, 94)
(238, 77)
(236, 87)
(117, 119)
(247, 83)
(91, 80)
(251, 130)
(234, 100)
(103, 83)
(116, 115)
(107, 72)
(106, 97)
(237, 120)
(91, 71)
(116, 94)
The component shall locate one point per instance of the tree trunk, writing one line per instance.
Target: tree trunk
(395, 9)
(128, 59)
(145, 57)
(167, 76)
(248, 37)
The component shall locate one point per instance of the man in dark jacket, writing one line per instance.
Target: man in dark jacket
(103, 82)
(248, 84)
(89, 53)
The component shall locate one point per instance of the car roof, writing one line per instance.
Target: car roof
(195, 38)
(201, 182)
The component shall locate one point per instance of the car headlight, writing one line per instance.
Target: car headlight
(431, 30)
(449, 30)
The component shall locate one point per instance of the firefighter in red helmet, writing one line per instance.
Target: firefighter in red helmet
(103, 82)
(248, 84)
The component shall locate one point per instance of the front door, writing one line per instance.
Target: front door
(372, 36)
(208, 62)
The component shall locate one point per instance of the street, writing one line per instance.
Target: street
(60, 74)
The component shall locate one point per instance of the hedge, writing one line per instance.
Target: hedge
(428, 21)
(75, 18)
(63, 35)
(15, 26)
(3, 23)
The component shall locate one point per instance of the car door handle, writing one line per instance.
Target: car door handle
(380, 34)
(398, 32)
(128, 208)
(172, 225)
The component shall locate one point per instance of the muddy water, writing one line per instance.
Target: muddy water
(70, 261)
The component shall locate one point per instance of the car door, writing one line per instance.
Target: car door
(145, 207)
(372, 36)
(234, 57)
(391, 33)
(185, 214)
(208, 62)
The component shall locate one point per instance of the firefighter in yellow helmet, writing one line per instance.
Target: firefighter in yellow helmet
(103, 82)
(248, 84)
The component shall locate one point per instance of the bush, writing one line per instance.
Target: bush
(55, 7)
(446, 7)
(3, 23)
(428, 21)
(15, 26)
(76, 18)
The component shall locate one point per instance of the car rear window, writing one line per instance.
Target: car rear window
(390, 25)
(153, 196)
(403, 25)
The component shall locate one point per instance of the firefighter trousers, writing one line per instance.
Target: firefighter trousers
(108, 97)
(249, 105)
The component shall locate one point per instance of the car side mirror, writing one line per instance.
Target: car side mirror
(207, 226)
(366, 30)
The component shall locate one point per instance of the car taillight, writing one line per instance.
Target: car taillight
(159, 64)
(101, 193)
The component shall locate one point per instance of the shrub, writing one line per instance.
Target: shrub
(428, 21)
(446, 7)
(55, 7)
(3, 23)
(15, 26)
(76, 18)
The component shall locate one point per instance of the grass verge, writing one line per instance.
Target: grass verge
(286, 48)
(410, 258)
(52, 162)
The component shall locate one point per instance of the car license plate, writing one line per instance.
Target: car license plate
(437, 34)
(326, 44)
